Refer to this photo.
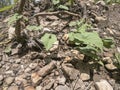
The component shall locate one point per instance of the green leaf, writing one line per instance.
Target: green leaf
(83, 28)
(55, 2)
(7, 49)
(63, 7)
(71, 36)
(32, 28)
(48, 40)
(90, 38)
(100, 63)
(6, 8)
(117, 56)
(73, 23)
(108, 42)
(14, 18)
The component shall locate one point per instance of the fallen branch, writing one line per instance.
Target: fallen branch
(56, 13)
(5, 42)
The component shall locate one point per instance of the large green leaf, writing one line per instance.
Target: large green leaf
(90, 38)
(48, 40)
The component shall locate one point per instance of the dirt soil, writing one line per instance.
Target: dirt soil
(31, 67)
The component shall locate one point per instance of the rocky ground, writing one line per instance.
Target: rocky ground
(62, 68)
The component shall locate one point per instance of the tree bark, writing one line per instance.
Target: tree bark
(18, 24)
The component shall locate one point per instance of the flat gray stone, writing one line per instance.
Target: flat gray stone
(103, 85)
(13, 88)
(9, 80)
(60, 87)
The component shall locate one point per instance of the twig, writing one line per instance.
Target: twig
(87, 88)
(57, 12)
(5, 42)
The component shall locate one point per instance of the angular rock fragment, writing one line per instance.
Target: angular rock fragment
(78, 85)
(110, 67)
(103, 85)
(9, 80)
(71, 72)
(61, 87)
(13, 88)
(47, 69)
(85, 76)
(35, 78)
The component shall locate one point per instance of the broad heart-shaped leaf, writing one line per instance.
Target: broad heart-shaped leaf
(90, 38)
(55, 2)
(48, 40)
(63, 7)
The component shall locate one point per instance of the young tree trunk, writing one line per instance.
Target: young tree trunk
(18, 24)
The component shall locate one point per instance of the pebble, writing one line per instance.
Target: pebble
(107, 60)
(9, 80)
(112, 82)
(1, 77)
(79, 84)
(108, 54)
(27, 69)
(85, 76)
(13, 88)
(101, 2)
(10, 72)
(49, 85)
(117, 87)
(70, 71)
(29, 88)
(61, 87)
(38, 88)
(92, 88)
(33, 65)
(18, 61)
(14, 51)
(0, 65)
(110, 67)
(118, 49)
(35, 78)
(103, 85)
(54, 46)
(61, 80)
(19, 80)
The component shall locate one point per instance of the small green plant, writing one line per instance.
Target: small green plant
(89, 43)
(33, 28)
(60, 5)
(48, 40)
(14, 18)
